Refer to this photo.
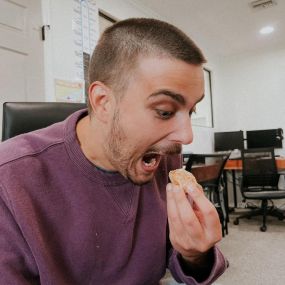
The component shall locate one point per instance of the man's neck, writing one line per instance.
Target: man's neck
(91, 142)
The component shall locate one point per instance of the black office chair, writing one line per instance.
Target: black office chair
(23, 117)
(260, 182)
(208, 170)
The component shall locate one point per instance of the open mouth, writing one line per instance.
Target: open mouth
(150, 161)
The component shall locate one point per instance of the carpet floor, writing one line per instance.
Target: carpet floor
(255, 257)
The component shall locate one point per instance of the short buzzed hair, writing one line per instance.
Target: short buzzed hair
(120, 46)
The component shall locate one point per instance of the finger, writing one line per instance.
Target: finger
(184, 227)
(175, 224)
(184, 210)
(207, 211)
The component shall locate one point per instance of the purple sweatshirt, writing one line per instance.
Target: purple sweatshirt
(64, 221)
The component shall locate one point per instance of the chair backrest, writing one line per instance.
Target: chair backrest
(207, 168)
(23, 117)
(259, 168)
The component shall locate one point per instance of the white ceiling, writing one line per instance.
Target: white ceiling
(224, 27)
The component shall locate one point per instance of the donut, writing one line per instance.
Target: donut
(183, 179)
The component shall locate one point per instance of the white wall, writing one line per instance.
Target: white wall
(248, 90)
(59, 52)
(60, 59)
(251, 91)
(123, 9)
(203, 137)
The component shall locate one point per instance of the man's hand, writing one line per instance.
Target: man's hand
(193, 230)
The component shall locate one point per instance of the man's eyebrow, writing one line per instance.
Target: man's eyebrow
(175, 96)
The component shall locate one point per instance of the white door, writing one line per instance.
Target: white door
(21, 52)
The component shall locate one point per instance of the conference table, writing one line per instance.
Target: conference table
(234, 165)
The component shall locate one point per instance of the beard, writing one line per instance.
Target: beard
(115, 148)
(123, 155)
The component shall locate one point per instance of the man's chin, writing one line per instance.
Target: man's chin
(141, 179)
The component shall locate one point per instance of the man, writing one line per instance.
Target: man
(85, 202)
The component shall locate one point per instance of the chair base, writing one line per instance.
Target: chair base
(264, 212)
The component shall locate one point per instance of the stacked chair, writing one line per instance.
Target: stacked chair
(208, 170)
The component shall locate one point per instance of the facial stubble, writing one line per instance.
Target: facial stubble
(121, 154)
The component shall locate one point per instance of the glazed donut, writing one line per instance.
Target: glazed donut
(183, 179)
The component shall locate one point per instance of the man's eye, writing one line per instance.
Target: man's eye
(164, 114)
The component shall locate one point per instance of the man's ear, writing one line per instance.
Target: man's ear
(101, 100)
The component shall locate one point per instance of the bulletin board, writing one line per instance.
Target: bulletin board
(75, 33)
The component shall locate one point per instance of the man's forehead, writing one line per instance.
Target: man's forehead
(170, 77)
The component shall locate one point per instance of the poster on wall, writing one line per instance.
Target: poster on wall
(85, 35)
(90, 25)
(77, 39)
(69, 91)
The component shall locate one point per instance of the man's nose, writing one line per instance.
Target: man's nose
(183, 132)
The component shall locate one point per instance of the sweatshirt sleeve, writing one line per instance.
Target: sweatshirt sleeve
(17, 265)
(218, 267)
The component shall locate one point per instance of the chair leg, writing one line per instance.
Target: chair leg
(248, 215)
(276, 213)
(221, 202)
(226, 227)
(264, 212)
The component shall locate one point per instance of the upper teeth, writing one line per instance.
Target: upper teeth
(152, 162)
